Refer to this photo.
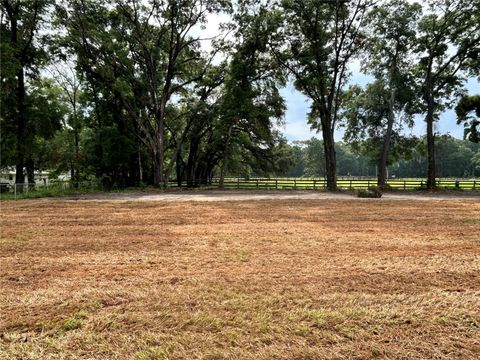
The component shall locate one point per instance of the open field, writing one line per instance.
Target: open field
(331, 278)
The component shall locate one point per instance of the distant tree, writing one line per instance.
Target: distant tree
(297, 169)
(66, 77)
(352, 162)
(476, 163)
(314, 158)
(369, 121)
(454, 157)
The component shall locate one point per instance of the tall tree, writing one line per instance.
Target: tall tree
(316, 43)
(67, 79)
(21, 56)
(448, 37)
(390, 33)
(251, 97)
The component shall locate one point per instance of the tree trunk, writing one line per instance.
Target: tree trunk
(157, 169)
(140, 168)
(191, 162)
(382, 164)
(329, 148)
(76, 172)
(158, 174)
(21, 125)
(431, 169)
(20, 113)
(30, 173)
(330, 163)
(223, 169)
(179, 169)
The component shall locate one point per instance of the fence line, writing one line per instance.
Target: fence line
(266, 184)
(319, 183)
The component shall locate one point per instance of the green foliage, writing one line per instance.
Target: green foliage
(468, 112)
(447, 41)
(23, 114)
(128, 95)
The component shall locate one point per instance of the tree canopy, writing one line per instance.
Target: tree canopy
(132, 93)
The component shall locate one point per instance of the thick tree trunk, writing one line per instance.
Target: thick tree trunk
(330, 163)
(30, 173)
(179, 169)
(382, 164)
(159, 155)
(20, 113)
(157, 168)
(330, 155)
(431, 169)
(191, 162)
(430, 118)
(140, 168)
(76, 172)
(21, 128)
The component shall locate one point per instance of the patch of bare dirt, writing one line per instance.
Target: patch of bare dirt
(242, 195)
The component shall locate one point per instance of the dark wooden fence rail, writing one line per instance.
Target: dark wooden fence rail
(342, 183)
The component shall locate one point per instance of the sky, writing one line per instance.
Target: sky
(298, 105)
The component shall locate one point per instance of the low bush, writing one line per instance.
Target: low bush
(372, 192)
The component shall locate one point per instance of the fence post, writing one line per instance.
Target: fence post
(474, 182)
(314, 184)
(276, 184)
(238, 183)
(257, 184)
(350, 184)
(295, 184)
(404, 185)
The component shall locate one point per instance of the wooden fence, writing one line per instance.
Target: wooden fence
(342, 183)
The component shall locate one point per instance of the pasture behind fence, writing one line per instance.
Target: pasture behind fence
(321, 184)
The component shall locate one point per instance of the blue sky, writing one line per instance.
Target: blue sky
(296, 127)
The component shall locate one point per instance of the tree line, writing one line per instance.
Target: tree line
(132, 92)
(455, 159)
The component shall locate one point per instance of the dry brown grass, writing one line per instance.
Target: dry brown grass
(268, 279)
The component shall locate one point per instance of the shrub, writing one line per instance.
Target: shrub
(372, 192)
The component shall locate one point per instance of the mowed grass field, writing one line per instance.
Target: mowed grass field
(265, 279)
